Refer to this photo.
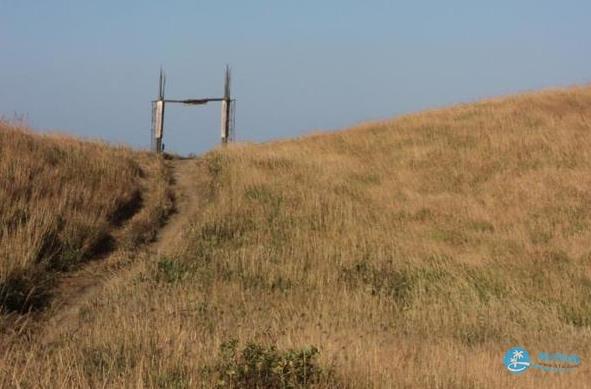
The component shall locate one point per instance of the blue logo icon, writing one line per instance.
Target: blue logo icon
(517, 360)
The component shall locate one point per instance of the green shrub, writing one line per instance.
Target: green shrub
(171, 271)
(258, 366)
(400, 284)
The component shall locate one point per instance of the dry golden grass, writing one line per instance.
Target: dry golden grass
(62, 202)
(412, 253)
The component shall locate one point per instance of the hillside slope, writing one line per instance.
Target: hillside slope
(65, 201)
(410, 253)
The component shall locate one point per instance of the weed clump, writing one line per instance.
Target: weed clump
(170, 271)
(258, 366)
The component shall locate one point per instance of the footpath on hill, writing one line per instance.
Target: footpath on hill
(75, 290)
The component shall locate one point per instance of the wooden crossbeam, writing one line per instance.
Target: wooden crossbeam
(195, 101)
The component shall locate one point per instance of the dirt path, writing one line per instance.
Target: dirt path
(75, 290)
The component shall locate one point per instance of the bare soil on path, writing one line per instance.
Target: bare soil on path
(75, 290)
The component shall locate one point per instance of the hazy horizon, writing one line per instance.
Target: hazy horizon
(91, 69)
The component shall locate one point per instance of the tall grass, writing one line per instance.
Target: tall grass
(410, 253)
(61, 201)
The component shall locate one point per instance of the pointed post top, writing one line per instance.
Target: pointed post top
(162, 85)
(227, 83)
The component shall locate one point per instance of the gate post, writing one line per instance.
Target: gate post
(158, 116)
(226, 103)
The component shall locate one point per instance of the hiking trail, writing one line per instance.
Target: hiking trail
(75, 290)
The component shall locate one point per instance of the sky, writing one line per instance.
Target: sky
(90, 68)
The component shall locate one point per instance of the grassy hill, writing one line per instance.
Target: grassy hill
(62, 202)
(408, 253)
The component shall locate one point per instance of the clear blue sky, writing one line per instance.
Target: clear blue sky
(90, 68)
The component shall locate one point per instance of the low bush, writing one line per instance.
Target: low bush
(259, 366)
